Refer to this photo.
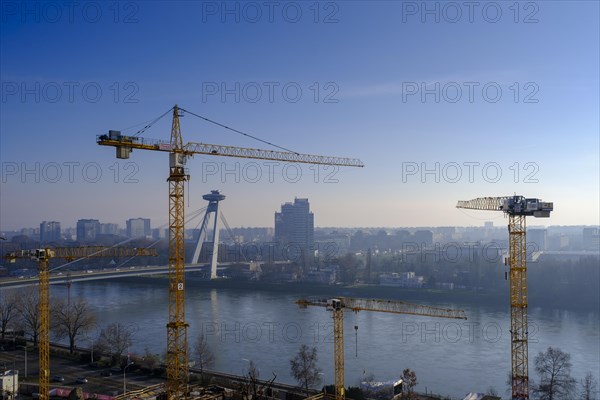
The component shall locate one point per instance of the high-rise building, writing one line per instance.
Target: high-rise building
(295, 228)
(50, 231)
(87, 229)
(158, 233)
(138, 227)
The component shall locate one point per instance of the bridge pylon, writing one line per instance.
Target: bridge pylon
(213, 198)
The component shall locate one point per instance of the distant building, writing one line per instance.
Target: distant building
(445, 233)
(326, 275)
(423, 237)
(250, 234)
(50, 231)
(488, 224)
(295, 230)
(332, 245)
(445, 285)
(87, 229)
(32, 233)
(158, 233)
(138, 227)
(109, 229)
(591, 239)
(558, 242)
(404, 279)
(69, 233)
(539, 239)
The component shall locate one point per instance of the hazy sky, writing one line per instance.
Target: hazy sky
(489, 99)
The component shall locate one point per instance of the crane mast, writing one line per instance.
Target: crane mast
(337, 306)
(43, 256)
(44, 333)
(517, 208)
(177, 344)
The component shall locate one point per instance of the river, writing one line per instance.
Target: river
(450, 357)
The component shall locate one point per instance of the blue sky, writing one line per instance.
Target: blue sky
(379, 81)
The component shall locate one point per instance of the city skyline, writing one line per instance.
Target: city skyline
(122, 227)
(437, 159)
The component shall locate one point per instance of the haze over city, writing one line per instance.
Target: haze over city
(198, 197)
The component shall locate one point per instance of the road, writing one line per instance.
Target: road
(108, 385)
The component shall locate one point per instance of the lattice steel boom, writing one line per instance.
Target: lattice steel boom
(125, 144)
(177, 347)
(338, 305)
(517, 208)
(43, 256)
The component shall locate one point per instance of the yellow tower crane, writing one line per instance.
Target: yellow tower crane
(338, 305)
(517, 208)
(177, 346)
(43, 256)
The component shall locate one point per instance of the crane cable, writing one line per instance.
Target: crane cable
(132, 257)
(146, 127)
(138, 133)
(238, 131)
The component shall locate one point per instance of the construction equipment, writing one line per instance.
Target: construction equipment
(177, 346)
(43, 256)
(338, 305)
(517, 208)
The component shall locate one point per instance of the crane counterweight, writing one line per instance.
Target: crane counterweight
(511, 205)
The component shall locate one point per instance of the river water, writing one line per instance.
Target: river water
(450, 357)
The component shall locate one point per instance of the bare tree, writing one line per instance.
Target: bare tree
(492, 392)
(29, 312)
(148, 361)
(554, 368)
(72, 320)
(115, 339)
(348, 267)
(76, 394)
(589, 387)
(8, 311)
(204, 355)
(252, 388)
(409, 380)
(304, 368)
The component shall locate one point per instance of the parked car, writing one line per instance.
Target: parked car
(58, 378)
(81, 379)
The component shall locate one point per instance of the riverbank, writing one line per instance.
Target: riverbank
(495, 299)
(303, 289)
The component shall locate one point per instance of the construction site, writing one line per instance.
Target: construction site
(322, 200)
(177, 371)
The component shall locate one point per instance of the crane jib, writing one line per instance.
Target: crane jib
(125, 144)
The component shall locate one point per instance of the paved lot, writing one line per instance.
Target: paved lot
(71, 370)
